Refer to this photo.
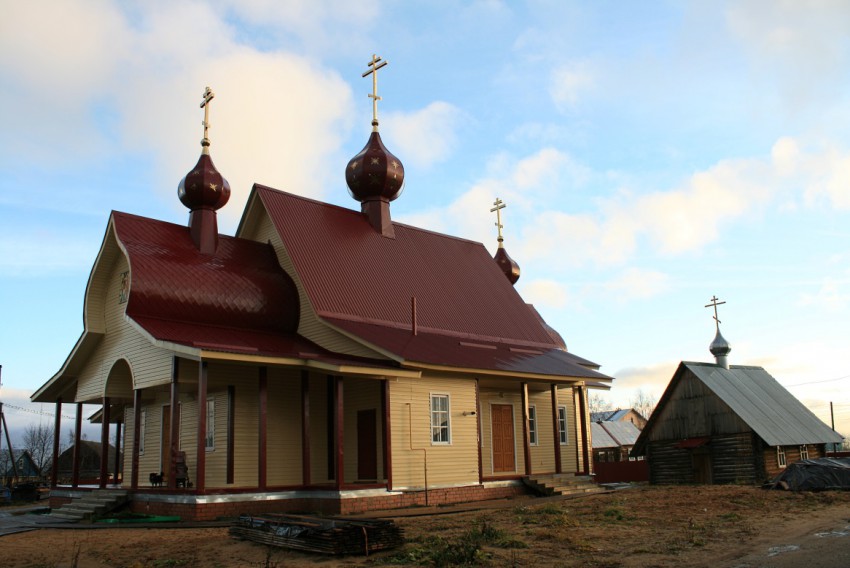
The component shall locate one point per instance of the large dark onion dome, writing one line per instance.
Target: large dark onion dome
(374, 173)
(507, 265)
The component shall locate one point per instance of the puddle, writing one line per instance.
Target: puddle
(828, 534)
(777, 550)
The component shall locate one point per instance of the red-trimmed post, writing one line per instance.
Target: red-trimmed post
(78, 434)
(585, 442)
(339, 427)
(137, 433)
(526, 446)
(57, 431)
(201, 450)
(305, 427)
(387, 433)
(174, 432)
(263, 428)
(556, 430)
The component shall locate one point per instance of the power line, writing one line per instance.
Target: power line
(39, 412)
(816, 382)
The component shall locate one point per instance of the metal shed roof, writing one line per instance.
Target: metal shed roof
(765, 405)
(613, 434)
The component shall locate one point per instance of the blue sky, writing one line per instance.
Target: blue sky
(651, 155)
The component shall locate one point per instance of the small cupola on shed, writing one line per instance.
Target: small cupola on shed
(720, 348)
(507, 265)
(375, 176)
(204, 191)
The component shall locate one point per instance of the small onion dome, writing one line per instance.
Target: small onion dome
(204, 187)
(374, 173)
(720, 347)
(507, 264)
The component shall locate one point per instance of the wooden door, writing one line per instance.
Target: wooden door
(504, 458)
(367, 451)
(702, 466)
(165, 448)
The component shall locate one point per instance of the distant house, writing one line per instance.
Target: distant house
(612, 441)
(620, 415)
(717, 423)
(25, 467)
(90, 453)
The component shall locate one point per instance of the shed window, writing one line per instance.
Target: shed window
(532, 425)
(562, 425)
(780, 456)
(804, 452)
(440, 427)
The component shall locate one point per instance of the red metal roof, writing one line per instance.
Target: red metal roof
(362, 282)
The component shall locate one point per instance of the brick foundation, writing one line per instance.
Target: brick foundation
(347, 506)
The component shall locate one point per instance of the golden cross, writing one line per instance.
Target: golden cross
(499, 205)
(374, 65)
(208, 96)
(715, 303)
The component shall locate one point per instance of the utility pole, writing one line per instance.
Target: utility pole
(5, 428)
(832, 420)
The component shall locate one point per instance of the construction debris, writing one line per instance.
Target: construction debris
(325, 535)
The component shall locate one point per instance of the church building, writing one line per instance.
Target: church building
(322, 359)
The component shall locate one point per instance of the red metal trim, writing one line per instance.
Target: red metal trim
(556, 429)
(526, 446)
(263, 425)
(104, 444)
(137, 428)
(305, 427)
(117, 450)
(78, 432)
(174, 433)
(57, 431)
(478, 432)
(201, 449)
(585, 442)
(339, 423)
(387, 434)
(231, 430)
(502, 477)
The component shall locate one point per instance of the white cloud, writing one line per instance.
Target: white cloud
(546, 293)
(638, 283)
(569, 82)
(423, 137)
(833, 295)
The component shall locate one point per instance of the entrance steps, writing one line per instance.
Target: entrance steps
(93, 505)
(562, 484)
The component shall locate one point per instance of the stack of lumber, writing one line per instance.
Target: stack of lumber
(326, 535)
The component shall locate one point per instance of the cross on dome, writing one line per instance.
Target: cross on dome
(498, 206)
(375, 64)
(205, 104)
(714, 303)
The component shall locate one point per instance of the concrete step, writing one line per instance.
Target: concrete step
(92, 505)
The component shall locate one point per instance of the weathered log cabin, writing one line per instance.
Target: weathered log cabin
(322, 358)
(717, 423)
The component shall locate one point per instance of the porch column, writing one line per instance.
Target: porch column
(305, 427)
(174, 432)
(585, 441)
(78, 434)
(526, 447)
(117, 451)
(263, 433)
(231, 434)
(556, 430)
(201, 448)
(137, 432)
(478, 430)
(104, 443)
(57, 431)
(386, 433)
(339, 426)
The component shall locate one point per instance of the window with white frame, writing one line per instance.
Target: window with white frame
(804, 452)
(532, 425)
(210, 436)
(440, 425)
(142, 421)
(780, 456)
(562, 425)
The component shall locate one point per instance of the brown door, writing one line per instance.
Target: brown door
(503, 437)
(702, 466)
(166, 439)
(367, 452)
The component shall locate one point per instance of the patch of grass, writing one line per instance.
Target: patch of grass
(168, 563)
(615, 514)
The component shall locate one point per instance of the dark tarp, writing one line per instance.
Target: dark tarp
(814, 475)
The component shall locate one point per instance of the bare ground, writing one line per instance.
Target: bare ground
(645, 527)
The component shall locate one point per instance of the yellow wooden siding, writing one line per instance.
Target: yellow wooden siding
(568, 451)
(150, 365)
(318, 429)
(452, 464)
(360, 394)
(309, 324)
(543, 453)
(283, 447)
(488, 398)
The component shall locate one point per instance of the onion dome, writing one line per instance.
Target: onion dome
(507, 265)
(204, 191)
(374, 173)
(720, 347)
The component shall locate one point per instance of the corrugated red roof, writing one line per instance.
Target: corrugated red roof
(467, 313)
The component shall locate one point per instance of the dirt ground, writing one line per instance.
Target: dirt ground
(645, 526)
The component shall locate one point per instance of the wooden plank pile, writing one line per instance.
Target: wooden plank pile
(325, 535)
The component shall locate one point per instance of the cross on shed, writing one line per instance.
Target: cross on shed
(714, 303)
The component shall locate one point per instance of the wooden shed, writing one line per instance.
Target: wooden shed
(715, 424)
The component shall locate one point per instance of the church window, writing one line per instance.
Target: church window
(440, 425)
(210, 436)
(804, 452)
(532, 425)
(780, 456)
(562, 425)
